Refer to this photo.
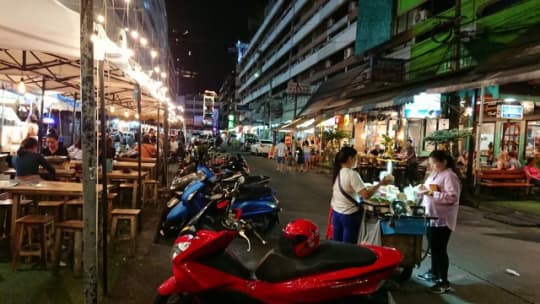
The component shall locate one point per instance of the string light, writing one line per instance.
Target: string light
(156, 69)
(163, 75)
(144, 41)
(153, 53)
(21, 87)
(134, 34)
(136, 116)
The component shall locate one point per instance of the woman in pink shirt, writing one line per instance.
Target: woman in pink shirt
(441, 190)
(532, 172)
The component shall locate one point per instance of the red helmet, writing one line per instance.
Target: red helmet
(300, 238)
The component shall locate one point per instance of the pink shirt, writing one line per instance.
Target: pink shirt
(444, 203)
(532, 171)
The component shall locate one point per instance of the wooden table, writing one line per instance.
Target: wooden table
(135, 166)
(60, 173)
(132, 176)
(37, 188)
(143, 160)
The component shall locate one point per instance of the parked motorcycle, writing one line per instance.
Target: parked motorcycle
(204, 271)
(258, 202)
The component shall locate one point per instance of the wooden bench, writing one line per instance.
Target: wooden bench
(494, 178)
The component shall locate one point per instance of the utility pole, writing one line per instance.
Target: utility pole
(89, 154)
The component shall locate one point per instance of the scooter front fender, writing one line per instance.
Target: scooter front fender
(169, 287)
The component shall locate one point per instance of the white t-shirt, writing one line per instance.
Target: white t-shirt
(352, 183)
(280, 149)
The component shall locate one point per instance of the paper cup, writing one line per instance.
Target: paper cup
(433, 187)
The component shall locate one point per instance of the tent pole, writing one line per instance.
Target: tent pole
(74, 119)
(40, 123)
(104, 157)
(166, 147)
(139, 144)
(89, 154)
(158, 171)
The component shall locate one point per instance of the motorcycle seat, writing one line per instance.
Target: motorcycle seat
(253, 192)
(330, 256)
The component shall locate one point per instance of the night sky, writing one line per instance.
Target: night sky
(207, 29)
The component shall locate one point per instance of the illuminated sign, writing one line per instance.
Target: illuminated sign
(510, 111)
(424, 105)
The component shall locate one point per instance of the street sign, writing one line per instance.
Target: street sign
(298, 88)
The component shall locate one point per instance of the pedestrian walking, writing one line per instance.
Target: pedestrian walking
(347, 191)
(306, 149)
(291, 162)
(412, 163)
(441, 191)
(281, 150)
(300, 159)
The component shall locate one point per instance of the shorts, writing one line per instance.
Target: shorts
(306, 156)
(280, 159)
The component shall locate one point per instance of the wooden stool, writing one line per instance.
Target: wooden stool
(51, 207)
(129, 187)
(132, 215)
(73, 206)
(150, 191)
(45, 226)
(5, 209)
(75, 227)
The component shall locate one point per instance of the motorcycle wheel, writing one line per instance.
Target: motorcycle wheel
(405, 274)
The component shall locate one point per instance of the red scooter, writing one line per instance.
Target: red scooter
(204, 272)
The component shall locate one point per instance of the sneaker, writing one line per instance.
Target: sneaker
(440, 288)
(427, 276)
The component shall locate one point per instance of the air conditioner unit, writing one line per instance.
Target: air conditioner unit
(348, 52)
(420, 15)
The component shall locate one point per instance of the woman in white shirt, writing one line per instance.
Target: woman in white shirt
(346, 204)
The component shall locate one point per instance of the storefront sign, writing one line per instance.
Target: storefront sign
(424, 105)
(510, 111)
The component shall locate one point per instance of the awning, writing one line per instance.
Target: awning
(331, 93)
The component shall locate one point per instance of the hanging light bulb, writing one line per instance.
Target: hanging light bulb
(100, 19)
(134, 34)
(21, 87)
(137, 116)
(144, 41)
(156, 69)
(112, 109)
(153, 53)
(126, 114)
(163, 75)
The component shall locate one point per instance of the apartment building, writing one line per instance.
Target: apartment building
(300, 44)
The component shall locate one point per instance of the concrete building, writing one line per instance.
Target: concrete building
(299, 45)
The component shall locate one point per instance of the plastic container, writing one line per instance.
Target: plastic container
(404, 225)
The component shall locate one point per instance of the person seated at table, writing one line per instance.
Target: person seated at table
(378, 150)
(28, 160)
(75, 150)
(53, 147)
(532, 171)
(148, 150)
(502, 161)
(513, 162)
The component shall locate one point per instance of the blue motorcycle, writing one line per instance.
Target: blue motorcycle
(257, 203)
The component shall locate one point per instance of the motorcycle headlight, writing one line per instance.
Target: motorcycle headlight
(179, 248)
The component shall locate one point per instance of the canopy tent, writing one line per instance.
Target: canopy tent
(47, 46)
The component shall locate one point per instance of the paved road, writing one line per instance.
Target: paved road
(480, 250)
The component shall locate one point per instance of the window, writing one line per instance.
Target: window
(532, 145)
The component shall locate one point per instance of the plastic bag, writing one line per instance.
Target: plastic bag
(370, 231)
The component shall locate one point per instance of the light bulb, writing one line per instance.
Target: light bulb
(163, 75)
(136, 116)
(153, 53)
(112, 109)
(134, 34)
(156, 69)
(144, 41)
(126, 114)
(100, 19)
(21, 87)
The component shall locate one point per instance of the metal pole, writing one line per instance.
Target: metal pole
(139, 144)
(166, 147)
(479, 126)
(471, 142)
(40, 123)
(158, 171)
(104, 157)
(88, 137)
(457, 33)
(74, 119)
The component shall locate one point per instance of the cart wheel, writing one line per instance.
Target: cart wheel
(405, 274)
